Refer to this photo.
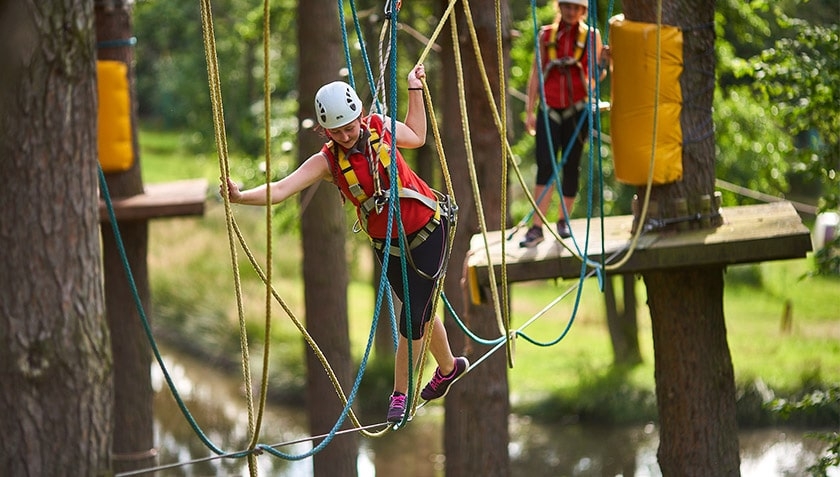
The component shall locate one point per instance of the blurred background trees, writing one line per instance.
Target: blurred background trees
(776, 126)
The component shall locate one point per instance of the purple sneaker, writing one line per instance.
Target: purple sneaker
(533, 236)
(439, 385)
(396, 409)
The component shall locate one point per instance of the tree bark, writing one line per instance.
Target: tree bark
(477, 407)
(695, 385)
(621, 323)
(133, 444)
(55, 358)
(324, 230)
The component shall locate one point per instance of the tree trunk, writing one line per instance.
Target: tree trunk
(324, 230)
(55, 358)
(695, 385)
(477, 407)
(621, 323)
(133, 445)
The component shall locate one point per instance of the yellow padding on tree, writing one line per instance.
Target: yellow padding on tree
(634, 53)
(116, 152)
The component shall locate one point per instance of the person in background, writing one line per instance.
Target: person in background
(564, 54)
(356, 159)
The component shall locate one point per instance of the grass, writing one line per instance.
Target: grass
(194, 300)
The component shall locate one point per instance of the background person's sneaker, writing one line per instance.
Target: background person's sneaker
(396, 408)
(439, 385)
(533, 236)
(563, 229)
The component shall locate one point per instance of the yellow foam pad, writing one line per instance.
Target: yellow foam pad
(635, 100)
(116, 151)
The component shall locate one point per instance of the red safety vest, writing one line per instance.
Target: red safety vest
(565, 61)
(352, 174)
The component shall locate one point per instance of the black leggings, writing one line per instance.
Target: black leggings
(561, 138)
(428, 257)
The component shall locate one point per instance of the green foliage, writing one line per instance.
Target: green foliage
(810, 403)
(775, 109)
(801, 75)
(751, 144)
(172, 77)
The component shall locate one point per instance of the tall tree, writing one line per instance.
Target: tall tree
(477, 407)
(695, 384)
(323, 226)
(55, 358)
(133, 415)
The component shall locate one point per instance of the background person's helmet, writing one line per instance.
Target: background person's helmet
(582, 3)
(336, 104)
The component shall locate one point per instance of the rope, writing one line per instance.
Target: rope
(467, 139)
(103, 185)
(216, 101)
(505, 305)
(269, 248)
(233, 230)
(224, 165)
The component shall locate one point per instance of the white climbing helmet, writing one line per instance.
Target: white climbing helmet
(582, 3)
(336, 104)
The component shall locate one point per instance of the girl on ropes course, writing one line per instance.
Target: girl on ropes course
(564, 73)
(356, 160)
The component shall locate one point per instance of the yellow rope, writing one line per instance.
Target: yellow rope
(499, 313)
(268, 239)
(437, 31)
(224, 165)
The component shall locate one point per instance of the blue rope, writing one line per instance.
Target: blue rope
(103, 185)
(119, 43)
(347, 58)
(393, 212)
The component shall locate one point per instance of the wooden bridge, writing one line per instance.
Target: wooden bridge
(170, 199)
(753, 233)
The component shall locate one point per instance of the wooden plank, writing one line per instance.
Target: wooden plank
(170, 199)
(753, 233)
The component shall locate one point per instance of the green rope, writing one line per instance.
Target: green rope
(103, 185)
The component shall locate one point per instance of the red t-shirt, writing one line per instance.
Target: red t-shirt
(415, 214)
(564, 85)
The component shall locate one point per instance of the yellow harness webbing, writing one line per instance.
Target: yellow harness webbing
(580, 44)
(380, 197)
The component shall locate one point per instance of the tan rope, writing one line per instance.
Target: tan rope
(224, 165)
(268, 239)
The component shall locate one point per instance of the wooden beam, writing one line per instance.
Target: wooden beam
(753, 233)
(170, 199)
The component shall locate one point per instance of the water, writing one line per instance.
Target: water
(215, 400)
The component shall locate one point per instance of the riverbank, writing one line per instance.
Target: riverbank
(537, 448)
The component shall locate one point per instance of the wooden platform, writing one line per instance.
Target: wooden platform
(170, 199)
(755, 233)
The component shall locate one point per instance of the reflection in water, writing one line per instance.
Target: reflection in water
(215, 401)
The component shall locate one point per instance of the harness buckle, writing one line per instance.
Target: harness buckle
(379, 201)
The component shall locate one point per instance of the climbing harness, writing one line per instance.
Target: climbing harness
(565, 64)
(378, 152)
(561, 115)
(580, 46)
(445, 207)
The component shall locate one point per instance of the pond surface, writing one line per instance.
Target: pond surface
(215, 401)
